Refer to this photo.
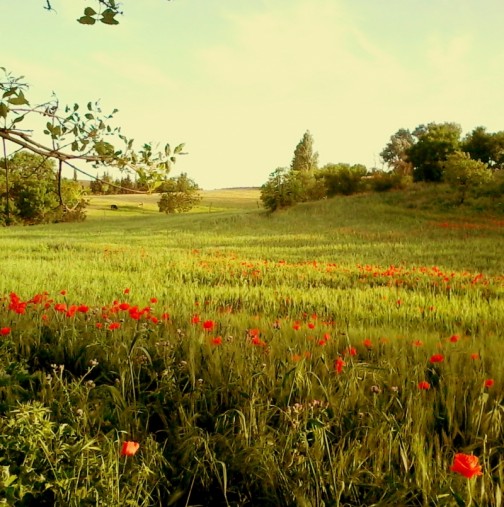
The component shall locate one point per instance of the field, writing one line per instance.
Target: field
(341, 353)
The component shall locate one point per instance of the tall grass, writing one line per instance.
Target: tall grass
(257, 359)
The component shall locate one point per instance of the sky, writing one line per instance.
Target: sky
(240, 81)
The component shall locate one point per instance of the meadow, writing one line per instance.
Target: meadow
(345, 352)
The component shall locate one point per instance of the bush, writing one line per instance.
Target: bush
(343, 178)
(381, 181)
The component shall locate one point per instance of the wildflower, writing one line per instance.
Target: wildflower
(475, 356)
(339, 364)
(418, 343)
(296, 357)
(350, 351)
(195, 319)
(217, 340)
(367, 343)
(296, 326)
(489, 382)
(4, 331)
(83, 308)
(436, 358)
(208, 325)
(322, 343)
(114, 325)
(424, 385)
(124, 306)
(63, 292)
(454, 338)
(165, 316)
(129, 448)
(311, 325)
(99, 325)
(126, 291)
(154, 320)
(258, 342)
(466, 465)
(153, 300)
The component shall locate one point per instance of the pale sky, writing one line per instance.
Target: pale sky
(240, 81)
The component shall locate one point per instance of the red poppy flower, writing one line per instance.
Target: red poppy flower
(114, 325)
(124, 306)
(153, 300)
(418, 343)
(338, 365)
(350, 351)
(424, 385)
(466, 465)
(454, 338)
(208, 325)
(367, 343)
(154, 320)
(129, 448)
(258, 342)
(63, 292)
(436, 358)
(489, 382)
(296, 326)
(126, 291)
(195, 319)
(165, 316)
(475, 356)
(296, 357)
(83, 309)
(5, 331)
(217, 340)
(311, 325)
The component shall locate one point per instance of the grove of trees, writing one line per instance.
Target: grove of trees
(432, 153)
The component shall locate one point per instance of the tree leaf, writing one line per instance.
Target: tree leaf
(20, 100)
(108, 17)
(86, 20)
(89, 11)
(3, 110)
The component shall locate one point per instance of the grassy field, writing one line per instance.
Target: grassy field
(342, 352)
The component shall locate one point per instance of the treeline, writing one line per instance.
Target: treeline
(433, 153)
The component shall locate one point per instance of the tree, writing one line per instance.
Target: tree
(179, 195)
(106, 12)
(304, 157)
(485, 146)
(30, 194)
(435, 142)
(281, 190)
(465, 174)
(395, 154)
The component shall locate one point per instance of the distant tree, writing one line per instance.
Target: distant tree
(281, 190)
(465, 174)
(304, 157)
(435, 142)
(179, 194)
(395, 154)
(485, 147)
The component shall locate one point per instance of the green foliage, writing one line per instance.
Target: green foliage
(179, 194)
(32, 195)
(395, 154)
(382, 181)
(281, 190)
(304, 157)
(486, 147)
(344, 179)
(465, 174)
(435, 142)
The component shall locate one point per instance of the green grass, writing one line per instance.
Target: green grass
(252, 411)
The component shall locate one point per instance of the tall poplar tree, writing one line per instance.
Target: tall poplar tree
(304, 157)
